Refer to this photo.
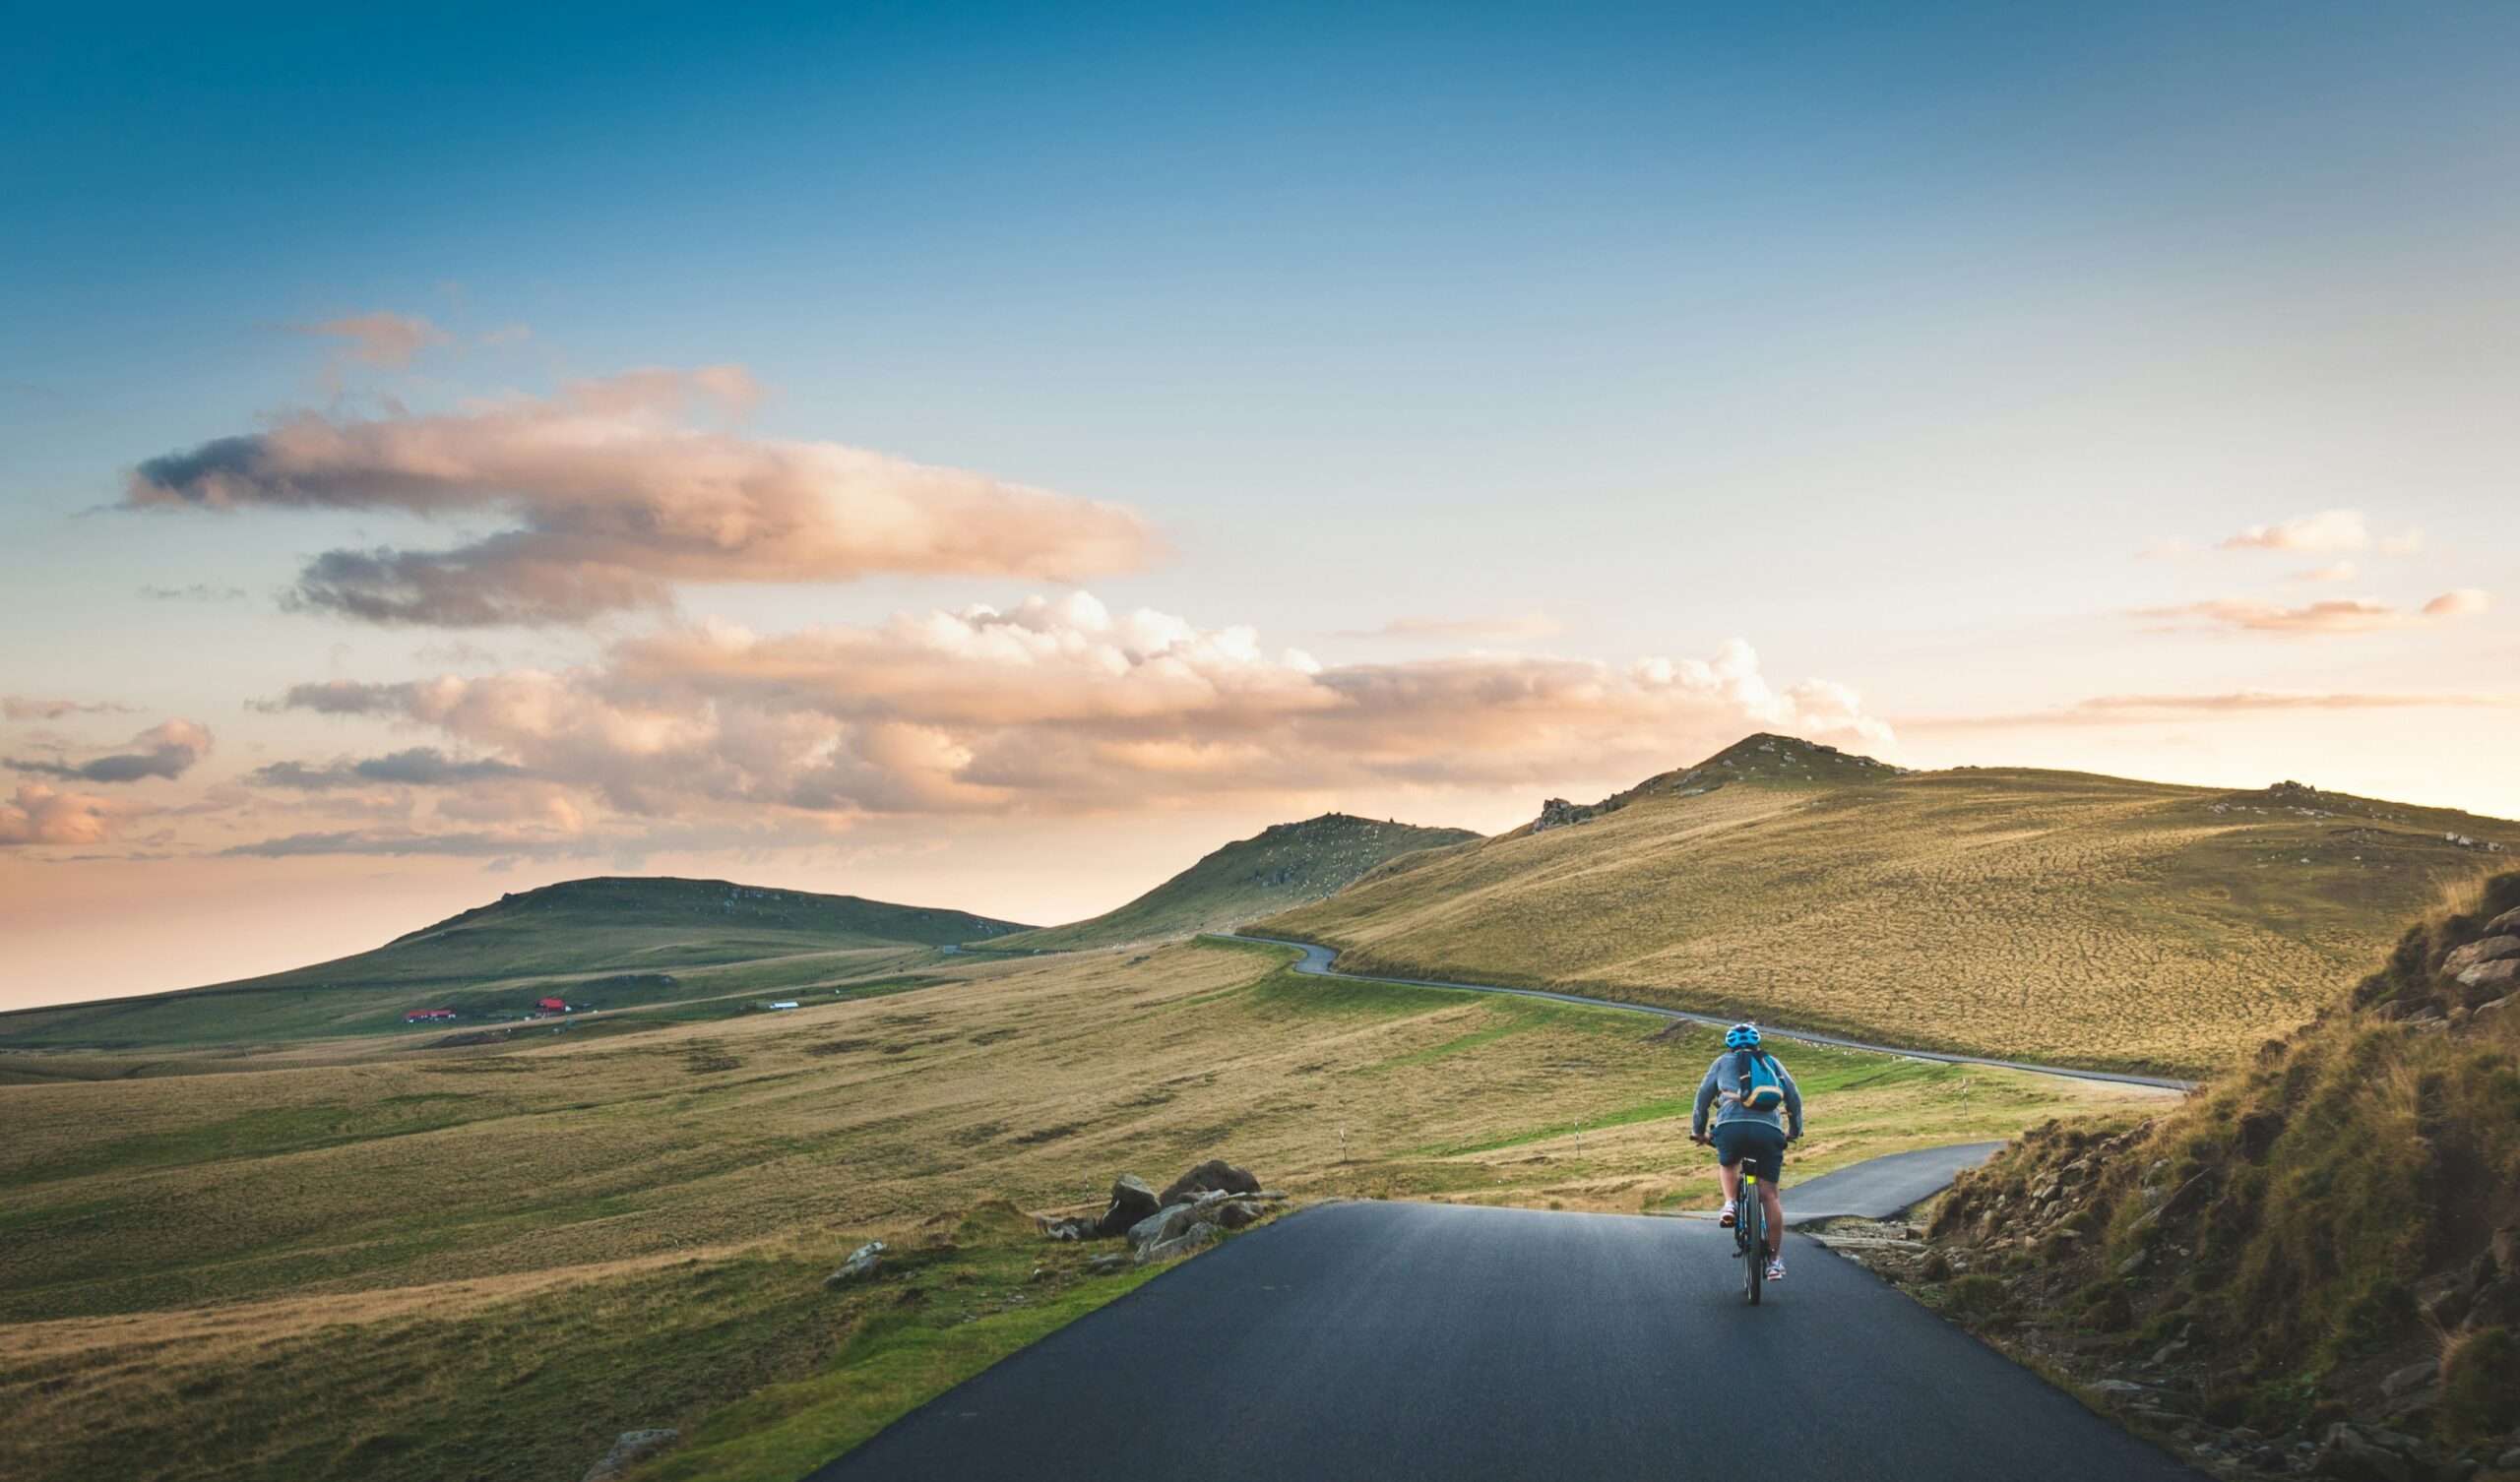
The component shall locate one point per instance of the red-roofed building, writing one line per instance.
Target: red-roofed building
(551, 1006)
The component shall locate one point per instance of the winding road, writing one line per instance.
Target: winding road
(1373, 1341)
(1317, 963)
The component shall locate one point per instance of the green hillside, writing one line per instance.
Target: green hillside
(611, 942)
(1281, 866)
(2024, 913)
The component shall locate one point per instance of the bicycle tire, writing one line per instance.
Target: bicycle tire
(1754, 1238)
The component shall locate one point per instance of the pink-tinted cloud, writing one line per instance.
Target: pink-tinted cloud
(36, 814)
(612, 501)
(2327, 530)
(166, 749)
(29, 708)
(2336, 615)
(1064, 707)
(2341, 571)
(381, 338)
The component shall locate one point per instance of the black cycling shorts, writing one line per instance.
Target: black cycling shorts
(1762, 1145)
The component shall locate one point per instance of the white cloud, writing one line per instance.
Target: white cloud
(613, 503)
(1063, 706)
(2327, 530)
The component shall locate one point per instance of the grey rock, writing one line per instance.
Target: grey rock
(2348, 1455)
(1213, 1174)
(2133, 1263)
(1106, 1265)
(1132, 1201)
(633, 1446)
(861, 1263)
(2508, 921)
(2489, 981)
(2489, 949)
(2410, 1378)
(1196, 1237)
(2509, 1461)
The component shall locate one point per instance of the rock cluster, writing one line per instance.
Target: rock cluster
(1557, 813)
(1193, 1210)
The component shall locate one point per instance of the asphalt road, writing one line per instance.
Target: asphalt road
(1400, 1341)
(1317, 961)
(1878, 1188)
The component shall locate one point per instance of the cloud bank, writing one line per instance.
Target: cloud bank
(1051, 707)
(610, 501)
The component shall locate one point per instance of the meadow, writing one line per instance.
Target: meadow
(359, 1259)
(2050, 916)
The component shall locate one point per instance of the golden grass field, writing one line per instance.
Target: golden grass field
(357, 1262)
(2041, 915)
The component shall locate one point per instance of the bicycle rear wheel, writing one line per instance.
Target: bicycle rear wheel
(1754, 1238)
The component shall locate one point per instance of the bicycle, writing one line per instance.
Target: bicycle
(1749, 1229)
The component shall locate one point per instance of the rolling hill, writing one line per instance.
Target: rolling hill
(2047, 915)
(1281, 866)
(613, 941)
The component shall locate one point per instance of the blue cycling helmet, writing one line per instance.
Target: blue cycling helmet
(1741, 1036)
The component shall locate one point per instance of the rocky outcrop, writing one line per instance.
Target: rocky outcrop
(1557, 813)
(633, 1446)
(1197, 1207)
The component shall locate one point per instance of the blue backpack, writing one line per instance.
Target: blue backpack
(1762, 1091)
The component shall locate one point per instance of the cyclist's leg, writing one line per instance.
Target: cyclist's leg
(1771, 1167)
(1727, 1164)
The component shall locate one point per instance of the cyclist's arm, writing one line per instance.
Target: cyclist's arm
(1705, 1099)
(1793, 1102)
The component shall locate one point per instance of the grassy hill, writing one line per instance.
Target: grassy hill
(1283, 865)
(612, 942)
(2049, 916)
(2330, 1232)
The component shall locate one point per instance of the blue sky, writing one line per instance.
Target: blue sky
(1881, 338)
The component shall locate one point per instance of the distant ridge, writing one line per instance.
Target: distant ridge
(621, 939)
(2063, 917)
(1281, 866)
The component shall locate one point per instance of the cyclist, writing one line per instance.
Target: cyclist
(1743, 1130)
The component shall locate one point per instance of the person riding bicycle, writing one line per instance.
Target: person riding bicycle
(1757, 1111)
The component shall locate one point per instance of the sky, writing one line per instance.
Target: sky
(988, 456)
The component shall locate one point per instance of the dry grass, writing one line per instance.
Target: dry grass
(2045, 916)
(320, 1269)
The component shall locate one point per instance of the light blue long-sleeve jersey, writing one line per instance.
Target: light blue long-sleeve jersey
(1721, 1079)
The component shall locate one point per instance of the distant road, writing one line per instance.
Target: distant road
(1373, 1341)
(1317, 961)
